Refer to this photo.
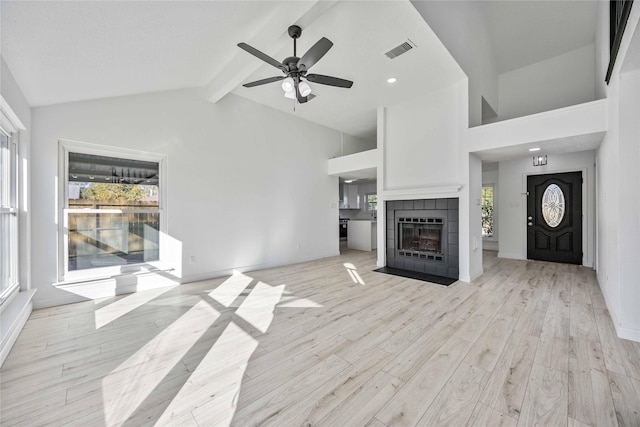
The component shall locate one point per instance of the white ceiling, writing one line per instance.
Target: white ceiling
(358, 55)
(64, 51)
(550, 147)
(526, 32)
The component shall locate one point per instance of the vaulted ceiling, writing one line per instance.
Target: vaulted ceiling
(70, 51)
(62, 51)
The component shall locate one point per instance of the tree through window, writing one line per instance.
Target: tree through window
(112, 211)
(487, 211)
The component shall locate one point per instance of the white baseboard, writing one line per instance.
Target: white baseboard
(622, 332)
(104, 288)
(627, 334)
(263, 266)
(13, 320)
(510, 256)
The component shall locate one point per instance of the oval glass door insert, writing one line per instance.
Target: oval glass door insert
(553, 205)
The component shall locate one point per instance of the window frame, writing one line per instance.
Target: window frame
(12, 209)
(367, 206)
(64, 148)
(494, 216)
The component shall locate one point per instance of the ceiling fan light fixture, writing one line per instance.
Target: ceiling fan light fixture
(287, 84)
(290, 94)
(304, 88)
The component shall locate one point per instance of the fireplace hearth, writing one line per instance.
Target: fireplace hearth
(422, 236)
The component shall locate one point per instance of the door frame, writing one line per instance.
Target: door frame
(587, 258)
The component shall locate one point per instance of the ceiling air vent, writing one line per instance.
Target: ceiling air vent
(399, 50)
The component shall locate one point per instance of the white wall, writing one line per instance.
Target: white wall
(618, 207)
(513, 202)
(629, 210)
(460, 26)
(240, 195)
(601, 49)
(474, 219)
(419, 144)
(422, 142)
(352, 144)
(557, 82)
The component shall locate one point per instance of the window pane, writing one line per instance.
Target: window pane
(5, 171)
(100, 182)
(487, 211)
(8, 216)
(372, 202)
(111, 239)
(8, 261)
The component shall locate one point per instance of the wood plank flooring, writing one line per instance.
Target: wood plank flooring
(331, 343)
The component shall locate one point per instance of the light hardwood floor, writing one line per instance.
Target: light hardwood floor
(332, 343)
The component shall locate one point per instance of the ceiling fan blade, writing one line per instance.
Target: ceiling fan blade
(314, 54)
(264, 81)
(301, 99)
(328, 80)
(266, 58)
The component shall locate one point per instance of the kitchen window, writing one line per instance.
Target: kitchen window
(371, 202)
(112, 211)
(8, 214)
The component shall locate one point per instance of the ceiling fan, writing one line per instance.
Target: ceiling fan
(295, 69)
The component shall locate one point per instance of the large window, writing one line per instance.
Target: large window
(8, 215)
(487, 211)
(112, 212)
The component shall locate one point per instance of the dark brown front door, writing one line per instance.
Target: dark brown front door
(554, 217)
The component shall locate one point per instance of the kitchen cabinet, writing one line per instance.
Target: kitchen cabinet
(350, 197)
(362, 235)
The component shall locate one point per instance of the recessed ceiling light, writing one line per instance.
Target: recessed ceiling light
(349, 181)
(534, 149)
(392, 80)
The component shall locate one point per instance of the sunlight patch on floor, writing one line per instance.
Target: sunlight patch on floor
(212, 389)
(133, 380)
(227, 292)
(117, 309)
(257, 308)
(353, 273)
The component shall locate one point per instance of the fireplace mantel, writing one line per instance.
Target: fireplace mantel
(420, 193)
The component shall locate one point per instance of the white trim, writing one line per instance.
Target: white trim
(621, 331)
(64, 148)
(627, 333)
(13, 320)
(420, 193)
(107, 287)
(114, 211)
(9, 120)
(510, 256)
(12, 209)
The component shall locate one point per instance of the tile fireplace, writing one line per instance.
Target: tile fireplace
(422, 236)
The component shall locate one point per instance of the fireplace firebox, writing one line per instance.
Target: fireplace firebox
(422, 236)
